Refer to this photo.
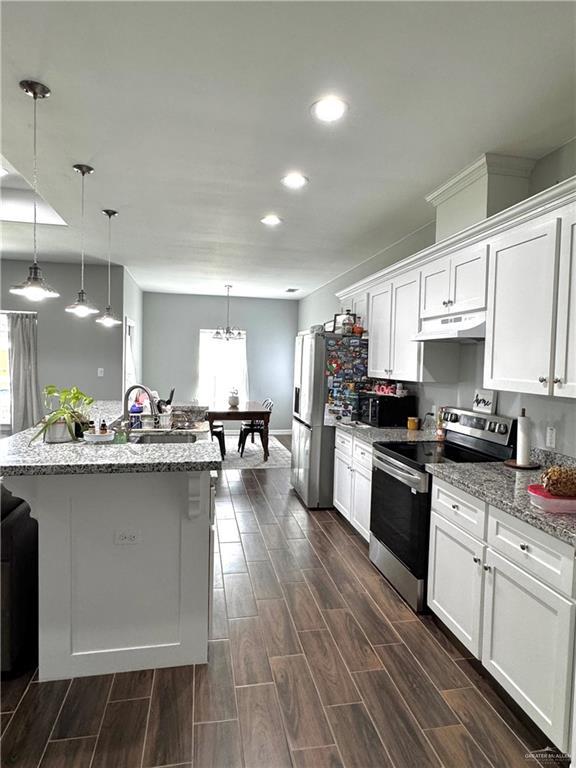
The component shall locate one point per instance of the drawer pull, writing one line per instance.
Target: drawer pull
(477, 560)
(455, 507)
(524, 547)
(487, 568)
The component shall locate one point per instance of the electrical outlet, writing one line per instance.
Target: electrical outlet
(127, 536)
(550, 437)
(100, 372)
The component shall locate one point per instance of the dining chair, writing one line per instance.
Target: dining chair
(217, 431)
(254, 427)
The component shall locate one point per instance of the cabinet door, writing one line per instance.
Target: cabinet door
(468, 273)
(564, 380)
(455, 581)
(405, 321)
(380, 331)
(360, 308)
(342, 484)
(528, 644)
(521, 309)
(361, 499)
(435, 288)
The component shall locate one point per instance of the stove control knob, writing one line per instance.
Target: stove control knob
(491, 426)
(502, 429)
(453, 417)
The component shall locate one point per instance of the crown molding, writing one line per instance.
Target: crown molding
(485, 165)
(548, 200)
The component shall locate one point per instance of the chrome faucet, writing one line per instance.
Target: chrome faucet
(126, 412)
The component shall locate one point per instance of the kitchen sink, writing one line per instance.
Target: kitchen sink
(163, 437)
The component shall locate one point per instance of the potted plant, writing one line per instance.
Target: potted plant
(66, 415)
(233, 399)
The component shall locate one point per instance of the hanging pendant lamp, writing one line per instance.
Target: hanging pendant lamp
(108, 319)
(35, 287)
(227, 333)
(82, 307)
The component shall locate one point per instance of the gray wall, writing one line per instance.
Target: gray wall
(555, 167)
(134, 310)
(171, 336)
(543, 410)
(71, 350)
(322, 304)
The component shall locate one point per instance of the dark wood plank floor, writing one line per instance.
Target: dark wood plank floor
(315, 662)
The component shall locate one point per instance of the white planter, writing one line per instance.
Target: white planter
(234, 401)
(57, 433)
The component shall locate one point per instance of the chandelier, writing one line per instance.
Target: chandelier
(228, 333)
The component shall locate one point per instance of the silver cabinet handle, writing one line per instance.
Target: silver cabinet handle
(557, 381)
(477, 560)
(543, 379)
(487, 568)
(456, 507)
(444, 303)
(524, 547)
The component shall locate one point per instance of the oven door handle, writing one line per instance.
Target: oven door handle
(416, 480)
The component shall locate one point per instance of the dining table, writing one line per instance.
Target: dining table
(251, 410)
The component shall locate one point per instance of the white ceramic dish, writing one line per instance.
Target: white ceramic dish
(98, 438)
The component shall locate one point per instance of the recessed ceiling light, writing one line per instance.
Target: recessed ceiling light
(295, 180)
(329, 109)
(271, 220)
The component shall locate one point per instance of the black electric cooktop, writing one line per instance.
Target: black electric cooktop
(416, 454)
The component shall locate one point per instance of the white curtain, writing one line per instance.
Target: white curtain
(130, 373)
(222, 366)
(26, 408)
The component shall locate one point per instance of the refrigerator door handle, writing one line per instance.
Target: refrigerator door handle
(297, 400)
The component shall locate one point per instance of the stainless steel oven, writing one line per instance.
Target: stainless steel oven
(400, 507)
(401, 518)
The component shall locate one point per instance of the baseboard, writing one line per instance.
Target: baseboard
(236, 432)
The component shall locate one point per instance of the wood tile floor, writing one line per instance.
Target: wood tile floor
(315, 662)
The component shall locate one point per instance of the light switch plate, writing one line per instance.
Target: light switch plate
(100, 372)
(550, 437)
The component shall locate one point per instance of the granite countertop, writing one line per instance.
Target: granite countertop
(388, 434)
(18, 457)
(506, 489)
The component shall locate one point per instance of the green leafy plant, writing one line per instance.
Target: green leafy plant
(64, 405)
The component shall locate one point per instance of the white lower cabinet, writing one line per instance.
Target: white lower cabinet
(456, 601)
(353, 485)
(361, 493)
(520, 627)
(342, 483)
(528, 637)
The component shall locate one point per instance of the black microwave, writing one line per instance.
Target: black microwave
(386, 410)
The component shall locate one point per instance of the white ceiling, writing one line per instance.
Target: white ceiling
(191, 112)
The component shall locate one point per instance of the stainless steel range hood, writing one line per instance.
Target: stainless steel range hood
(466, 327)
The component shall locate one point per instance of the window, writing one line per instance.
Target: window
(222, 366)
(4, 371)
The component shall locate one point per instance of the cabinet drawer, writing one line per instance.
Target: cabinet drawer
(459, 507)
(344, 442)
(536, 551)
(362, 453)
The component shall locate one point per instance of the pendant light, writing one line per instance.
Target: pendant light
(82, 307)
(108, 319)
(227, 333)
(35, 287)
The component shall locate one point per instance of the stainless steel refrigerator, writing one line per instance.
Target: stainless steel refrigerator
(312, 443)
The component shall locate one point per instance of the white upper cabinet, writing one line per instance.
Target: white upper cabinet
(405, 352)
(468, 276)
(530, 324)
(379, 366)
(456, 283)
(564, 379)
(360, 307)
(435, 287)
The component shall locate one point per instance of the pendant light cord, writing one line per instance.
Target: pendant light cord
(109, 253)
(82, 238)
(35, 180)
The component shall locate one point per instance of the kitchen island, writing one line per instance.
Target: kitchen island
(125, 551)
